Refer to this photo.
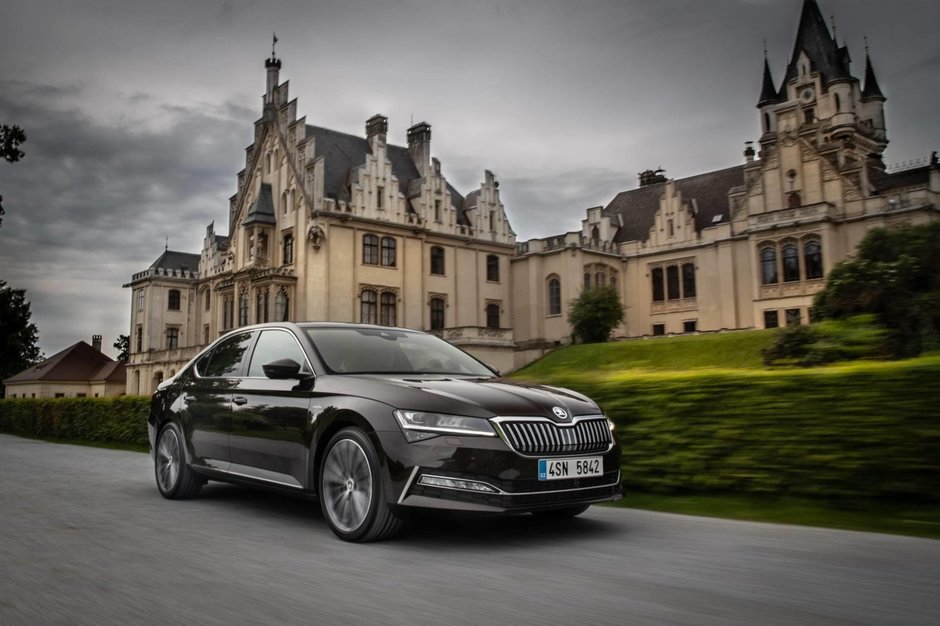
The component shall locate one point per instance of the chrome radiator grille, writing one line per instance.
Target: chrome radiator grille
(537, 437)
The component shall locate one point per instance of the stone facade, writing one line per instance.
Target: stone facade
(330, 226)
(746, 246)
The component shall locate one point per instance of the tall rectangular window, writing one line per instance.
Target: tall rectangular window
(380, 197)
(367, 307)
(672, 282)
(172, 338)
(139, 339)
(173, 300)
(437, 313)
(370, 250)
(208, 298)
(793, 317)
(388, 251)
(656, 277)
(492, 268)
(387, 312)
(140, 299)
(688, 280)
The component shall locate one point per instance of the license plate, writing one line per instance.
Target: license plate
(555, 469)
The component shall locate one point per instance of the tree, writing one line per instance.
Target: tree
(123, 346)
(895, 276)
(594, 314)
(10, 139)
(18, 336)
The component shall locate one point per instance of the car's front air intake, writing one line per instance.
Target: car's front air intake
(540, 436)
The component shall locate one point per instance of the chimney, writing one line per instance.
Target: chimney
(96, 342)
(376, 126)
(419, 146)
(748, 151)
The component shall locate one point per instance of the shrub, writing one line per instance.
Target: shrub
(594, 314)
(857, 337)
(119, 420)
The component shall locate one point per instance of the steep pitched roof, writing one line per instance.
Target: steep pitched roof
(636, 208)
(111, 372)
(813, 38)
(262, 209)
(883, 182)
(78, 362)
(172, 260)
(344, 152)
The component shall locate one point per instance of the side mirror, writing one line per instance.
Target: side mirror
(282, 369)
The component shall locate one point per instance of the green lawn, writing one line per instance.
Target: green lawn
(731, 350)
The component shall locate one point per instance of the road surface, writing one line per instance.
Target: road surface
(86, 538)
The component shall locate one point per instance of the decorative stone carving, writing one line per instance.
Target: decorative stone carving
(316, 236)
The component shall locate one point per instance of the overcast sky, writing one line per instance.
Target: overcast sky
(138, 111)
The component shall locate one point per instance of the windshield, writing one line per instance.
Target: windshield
(387, 351)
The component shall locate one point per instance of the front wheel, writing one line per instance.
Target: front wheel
(175, 479)
(351, 489)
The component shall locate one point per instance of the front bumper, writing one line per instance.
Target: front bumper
(490, 461)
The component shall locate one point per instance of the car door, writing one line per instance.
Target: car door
(207, 401)
(271, 418)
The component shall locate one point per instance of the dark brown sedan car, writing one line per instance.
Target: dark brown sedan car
(375, 423)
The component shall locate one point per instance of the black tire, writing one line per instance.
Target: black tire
(175, 479)
(563, 513)
(352, 489)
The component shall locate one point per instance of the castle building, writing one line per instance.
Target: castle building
(329, 226)
(746, 246)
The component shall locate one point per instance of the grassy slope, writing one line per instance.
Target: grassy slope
(733, 351)
(691, 357)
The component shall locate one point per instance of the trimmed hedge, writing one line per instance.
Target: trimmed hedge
(851, 433)
(121, 420)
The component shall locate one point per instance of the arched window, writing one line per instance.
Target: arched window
(766, 122)
(388, 251)
(387, 315)
(794, 200)
(437, 261)
(437, 313)
(492, 268)
(370, 250)
(492, 316)
(838, 102)
(672, 282)
(554, 296)
(281, 306)
(208, 298)
(367, 307)
(587, 280)
(657, 279)
(595, 235)
(812, 259)
(288, 249)
(768, 266)
(688, 280)
(791, 263)
(173, 300)
(261, 307)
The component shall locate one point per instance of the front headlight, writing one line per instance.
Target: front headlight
(419, 425)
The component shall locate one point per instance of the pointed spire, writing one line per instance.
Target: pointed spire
(768, 93)
(871, 90)
(813, 39)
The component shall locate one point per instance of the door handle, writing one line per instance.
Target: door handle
(240, 400)
(189, 398)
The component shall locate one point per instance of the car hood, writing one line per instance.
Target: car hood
(479, 397)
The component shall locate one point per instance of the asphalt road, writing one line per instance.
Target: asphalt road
(86, 538)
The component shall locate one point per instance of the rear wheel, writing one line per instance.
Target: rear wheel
(568, 511)
(351, 489)
(175, 479)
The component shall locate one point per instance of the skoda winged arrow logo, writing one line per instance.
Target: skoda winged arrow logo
(559, 412)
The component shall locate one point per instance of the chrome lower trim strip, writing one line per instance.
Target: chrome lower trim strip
(265, 480)
(411, 479)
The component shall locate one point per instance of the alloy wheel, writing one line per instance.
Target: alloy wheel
(346, 485)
